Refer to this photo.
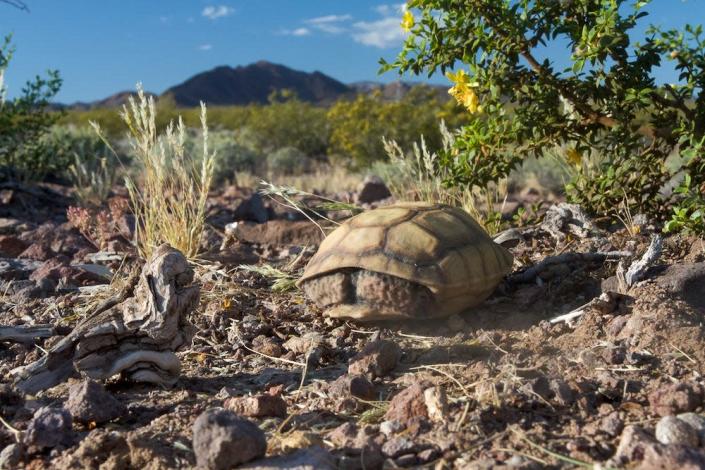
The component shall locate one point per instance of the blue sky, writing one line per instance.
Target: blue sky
(104, 46)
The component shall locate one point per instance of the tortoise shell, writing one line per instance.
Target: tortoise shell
(406, 260)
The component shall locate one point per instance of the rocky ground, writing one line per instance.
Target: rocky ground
(269, 382)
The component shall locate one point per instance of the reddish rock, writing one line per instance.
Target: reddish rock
(37, 251)
(258, 406)
(353, 386)
(407, 405)
(376, 359)
(676, 398)
(11, 246)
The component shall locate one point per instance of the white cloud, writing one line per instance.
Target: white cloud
(329, 19)
(205, 47)
(296, 32)
(213, 12)
(389, 10)
(383, 33)
(331, 24)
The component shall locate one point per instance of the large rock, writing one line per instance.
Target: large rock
(49, 428)
(407, 405)
(90, 402)
(222, 440)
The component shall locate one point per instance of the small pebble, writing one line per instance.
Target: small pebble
(671, 430)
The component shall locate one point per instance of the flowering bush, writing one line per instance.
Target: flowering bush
(600, 100)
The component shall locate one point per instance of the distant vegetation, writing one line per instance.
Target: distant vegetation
(349, 132)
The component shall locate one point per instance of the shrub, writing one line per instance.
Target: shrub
(358, 126)
(169, 198)
(418, 176)
(288, 161)
(232, 156)
(24, 121)
(605, 103)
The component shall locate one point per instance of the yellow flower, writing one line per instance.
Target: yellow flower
(574, 157)
(459, 77)
(463, 92)
(407, 21)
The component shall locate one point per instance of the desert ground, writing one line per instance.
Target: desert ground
(616, 384)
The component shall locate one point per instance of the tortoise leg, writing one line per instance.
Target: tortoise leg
(331, 289)
(392, 296)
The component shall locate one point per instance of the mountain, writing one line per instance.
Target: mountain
(253, 84)
(112, 101)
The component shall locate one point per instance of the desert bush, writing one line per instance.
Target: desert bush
(606, 102)
(288, 161)
(232, 156)
(24, 122)
(289, 122)
(418, 175)
(358, 126)
(168, 197)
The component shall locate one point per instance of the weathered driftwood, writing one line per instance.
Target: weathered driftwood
(25, 334)
(531, 273)
(637, 270)
(607, 302)
(567, 218)
(136, 337)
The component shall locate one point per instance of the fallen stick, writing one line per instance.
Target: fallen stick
(26, 334)
(637, 270)
(532, 272)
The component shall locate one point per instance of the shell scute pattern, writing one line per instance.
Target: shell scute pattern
(440, 252)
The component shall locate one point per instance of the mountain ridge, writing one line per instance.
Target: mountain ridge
(224, 85)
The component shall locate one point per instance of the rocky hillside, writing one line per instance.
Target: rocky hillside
(253, 84)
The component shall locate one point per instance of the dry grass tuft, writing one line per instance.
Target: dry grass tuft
(169, 198)
(418, 176)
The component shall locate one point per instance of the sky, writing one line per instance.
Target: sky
(101, 47)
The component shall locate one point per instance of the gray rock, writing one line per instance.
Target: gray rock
(372, 189)
(10, 457)
(17, 269)
(397, 446)
(390, 427)
(221, 440)
(312, 458)
(252, 209)
(671, 430)
(49, 428)
(697, 422)
(89, 401)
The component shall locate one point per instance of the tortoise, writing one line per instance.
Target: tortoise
(408, 260)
